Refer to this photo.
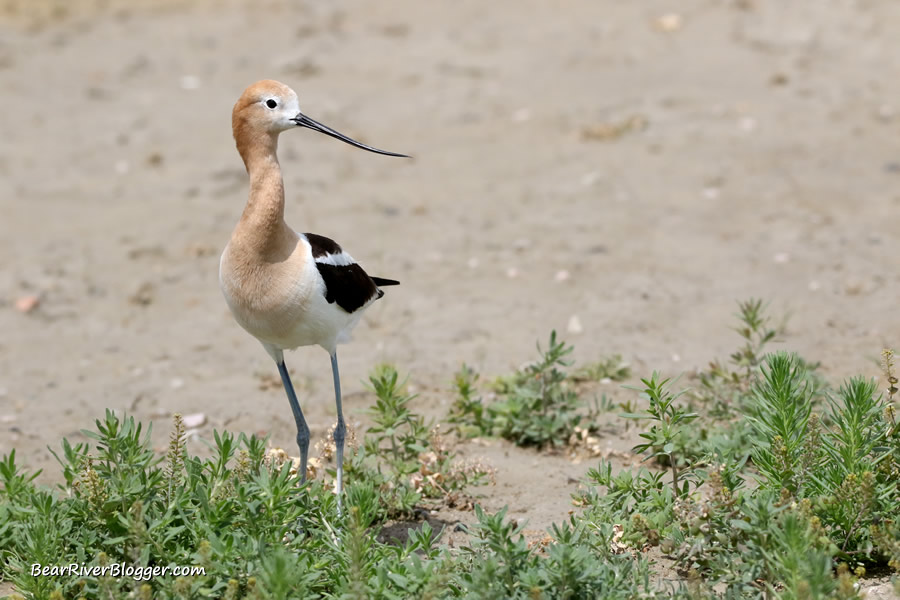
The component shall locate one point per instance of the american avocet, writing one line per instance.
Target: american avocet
(289, 289)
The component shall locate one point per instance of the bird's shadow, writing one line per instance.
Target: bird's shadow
(397, 532)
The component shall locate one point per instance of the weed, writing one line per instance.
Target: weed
(535, 406)
(611, 368)
(794, 496)
(404, 458)
(668, 425)
(780, 416)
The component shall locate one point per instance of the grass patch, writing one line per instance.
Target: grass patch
(759, 481)
(538, 405)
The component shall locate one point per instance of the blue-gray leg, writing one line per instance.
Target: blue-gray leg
(302, 427)
(340, 431)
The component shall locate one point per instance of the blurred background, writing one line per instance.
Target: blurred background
(623, 172)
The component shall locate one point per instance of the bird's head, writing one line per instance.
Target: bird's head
(269, 107)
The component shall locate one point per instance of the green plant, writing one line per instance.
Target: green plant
(781, 417)
(826, 465)
(611, 368)
(668, 426)
(404, 458)
(468, 412)
(535, 406)
(642, 494)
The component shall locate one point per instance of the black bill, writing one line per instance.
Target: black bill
(304, 121)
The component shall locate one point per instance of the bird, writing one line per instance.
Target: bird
(290, 289)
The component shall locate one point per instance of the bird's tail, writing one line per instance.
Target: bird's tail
(380, 281)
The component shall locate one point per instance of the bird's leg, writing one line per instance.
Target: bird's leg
(302, 427)
(340, 431)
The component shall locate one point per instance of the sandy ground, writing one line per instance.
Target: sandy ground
(618, 164)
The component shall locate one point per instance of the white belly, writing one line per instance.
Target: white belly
(284, 305)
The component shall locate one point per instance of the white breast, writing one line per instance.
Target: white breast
(283, 305)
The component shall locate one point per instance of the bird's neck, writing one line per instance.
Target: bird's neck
(262, 222)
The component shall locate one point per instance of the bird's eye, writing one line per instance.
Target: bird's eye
(271, 103)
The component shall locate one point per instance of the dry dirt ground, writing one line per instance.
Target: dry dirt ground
(623, 172)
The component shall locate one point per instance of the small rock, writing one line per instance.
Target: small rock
(574, 325)
(781, 257)
(122, 167)
(886, 112)
(26, 304)
(747, 124)
(711, 193)
(814, 286)
(561, 275)
(613, 130)
(143, 296)
(669, 23)
(473, 263)
(854, 287)
(195, 420)
(676, 358)
(512, 272)
(7, 418)
(177, 383)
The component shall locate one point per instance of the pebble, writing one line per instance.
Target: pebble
(747, 124)
(711, 193)
(473, 262)
(781, 257)
(561, 276)
(669, 23)
(177, 383)
(574, 325)
(512, 272)
(143, 295)
(676, 358)
(26, 304)
(886, 112)
(854, 287)
(814, 286)
(194, 420)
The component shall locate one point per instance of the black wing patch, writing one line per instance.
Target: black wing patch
(322, 246)
(348, 285)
